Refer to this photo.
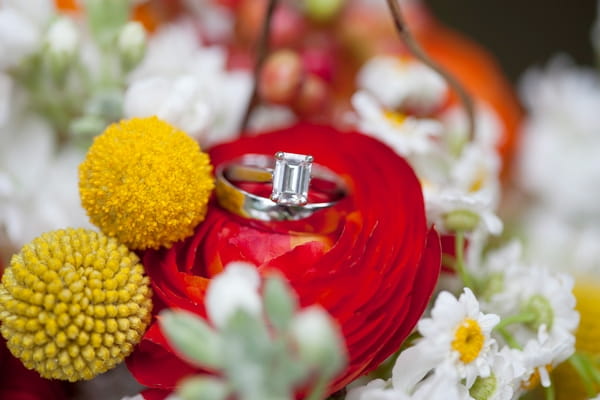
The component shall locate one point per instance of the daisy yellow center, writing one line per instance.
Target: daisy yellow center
(468, 340)
(145, 183)
(395, 118)
(73, 304)
(479, 181)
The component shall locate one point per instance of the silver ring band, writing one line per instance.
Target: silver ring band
(285, 203)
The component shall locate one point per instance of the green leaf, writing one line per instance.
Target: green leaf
(203, 387)
(280, 302)
(192, 338)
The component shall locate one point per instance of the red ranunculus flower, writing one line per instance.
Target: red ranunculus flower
(370, 260)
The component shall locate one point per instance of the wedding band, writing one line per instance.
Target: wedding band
(291, 176)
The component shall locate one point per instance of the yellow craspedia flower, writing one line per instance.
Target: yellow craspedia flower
(73, 304)
(145, 183)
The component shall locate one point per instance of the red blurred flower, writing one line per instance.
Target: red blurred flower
(370, 260)
(19, 383)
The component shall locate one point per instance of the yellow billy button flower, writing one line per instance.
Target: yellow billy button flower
(145, 183)
(73, 304)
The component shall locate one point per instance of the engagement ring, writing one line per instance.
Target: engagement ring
(291, 177)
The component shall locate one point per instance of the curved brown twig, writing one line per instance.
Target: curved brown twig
(262, 49)
(419, 53)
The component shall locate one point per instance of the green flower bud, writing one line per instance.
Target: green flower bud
(461, 220)
(132, 44)
(542, 309)
(319, 341)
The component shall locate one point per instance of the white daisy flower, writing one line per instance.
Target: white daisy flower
(188, 85)
(507, 374)
(399, 83)
(542, 354)
(547, 297)
(458, 334)
(405, 134)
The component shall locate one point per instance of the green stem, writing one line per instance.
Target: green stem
(448, 261)
(508, 338)
(581, 365)
(523, 317)
(459, 244)
(319, 390)
(549, 391)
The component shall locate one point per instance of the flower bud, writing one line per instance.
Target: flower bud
(281, 77)
(203, 387)
(61, 41)
(132, 44)
(461, 220)
(323, 10)
(320, 343)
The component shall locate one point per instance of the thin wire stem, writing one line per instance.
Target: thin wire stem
(262, 49)
(419, 53)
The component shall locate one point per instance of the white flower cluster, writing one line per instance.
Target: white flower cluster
(187, 85)
(493, 349)
(558, 165)
(403, 103)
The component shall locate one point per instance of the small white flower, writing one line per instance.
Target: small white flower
(402, 83)
(458, 334)
(234, 289)
(405, 134)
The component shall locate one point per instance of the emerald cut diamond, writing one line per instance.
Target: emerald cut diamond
(291, 178)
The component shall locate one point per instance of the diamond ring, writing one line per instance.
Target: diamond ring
(290, 177)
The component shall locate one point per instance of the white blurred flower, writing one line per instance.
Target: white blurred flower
(457, 335)
(22, 25)
(6, 97)
(561, 139)
(443, 384)
(233, 289)
(402, 84)
(553, 241)
(188, 85)
(38, 187)
(405, 134)
(542, 354)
